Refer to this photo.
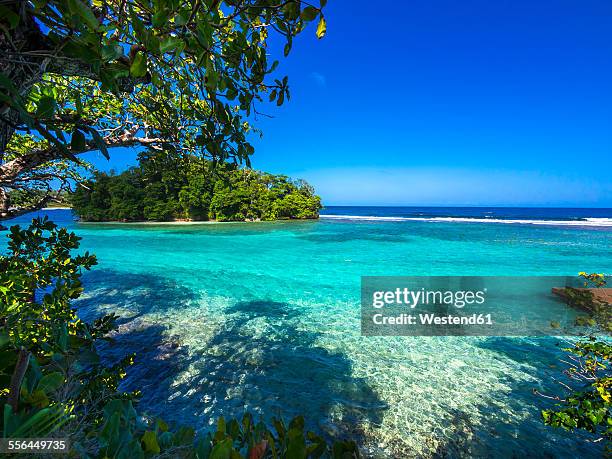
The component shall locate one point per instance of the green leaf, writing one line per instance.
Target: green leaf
(160, 17)
(273, 67)
(297, 423)
(342, 449)
(161, 425)
(296, 447)
(78, 141)
(222, 450)
(85, 13)
(149, 439)
(7, 84)
(220, 433)
(321, 28)
(42, 423)
(88, 357)
(139, 65)
(203, 447)
(280, 428)
(111, 427)
(4, 338)
(291, 10)
(169, 44)
(46, 107)
(182, 18)
(51, 382)
(97, 138)
(9, 16)
(309, 13)
(111, 52)
(184, 436)
(233, 429)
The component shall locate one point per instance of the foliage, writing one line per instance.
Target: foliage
(164, 187)
(588, 402)
(53, 384)
(124, 435)
(49, 368)
(593, 280)
(598, 310)
(185, 75)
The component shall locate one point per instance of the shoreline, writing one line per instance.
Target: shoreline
(180, 221)
(195, 222)
(584, 222)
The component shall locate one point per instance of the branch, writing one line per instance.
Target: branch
(11, 170)
(16, 212)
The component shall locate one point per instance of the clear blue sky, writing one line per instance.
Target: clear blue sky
(478, 102)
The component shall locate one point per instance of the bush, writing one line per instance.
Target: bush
(587, 404)
(587, 400)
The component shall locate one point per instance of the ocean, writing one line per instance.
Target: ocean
(264, 317)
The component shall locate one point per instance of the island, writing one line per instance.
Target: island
(172, 187)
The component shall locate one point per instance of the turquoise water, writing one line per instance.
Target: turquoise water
(264, 317)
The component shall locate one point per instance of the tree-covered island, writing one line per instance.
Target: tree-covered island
(168, 187)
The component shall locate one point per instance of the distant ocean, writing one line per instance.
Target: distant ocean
(598, 217)
(264, 317)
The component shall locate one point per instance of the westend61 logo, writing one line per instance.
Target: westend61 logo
(466, 306)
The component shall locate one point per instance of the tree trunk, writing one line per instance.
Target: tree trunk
(21, 69)
(4, 204)
(23, 359)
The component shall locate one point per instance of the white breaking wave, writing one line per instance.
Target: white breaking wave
(594, 222)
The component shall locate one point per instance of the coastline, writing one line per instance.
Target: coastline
(582, 222)
(179, 222)
(194, 222)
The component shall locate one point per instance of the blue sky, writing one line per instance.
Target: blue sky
(448, 103)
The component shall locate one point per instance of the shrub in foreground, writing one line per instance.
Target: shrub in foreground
(586, 402)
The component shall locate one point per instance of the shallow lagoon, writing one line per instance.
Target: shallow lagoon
(265, 317)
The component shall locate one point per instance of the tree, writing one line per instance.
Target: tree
(164, 187)
(181, 75)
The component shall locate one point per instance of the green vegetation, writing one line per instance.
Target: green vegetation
(83, 75)
(587, 400)
(599, 312)
(197, 190)
(52, 381)
(587, 404)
